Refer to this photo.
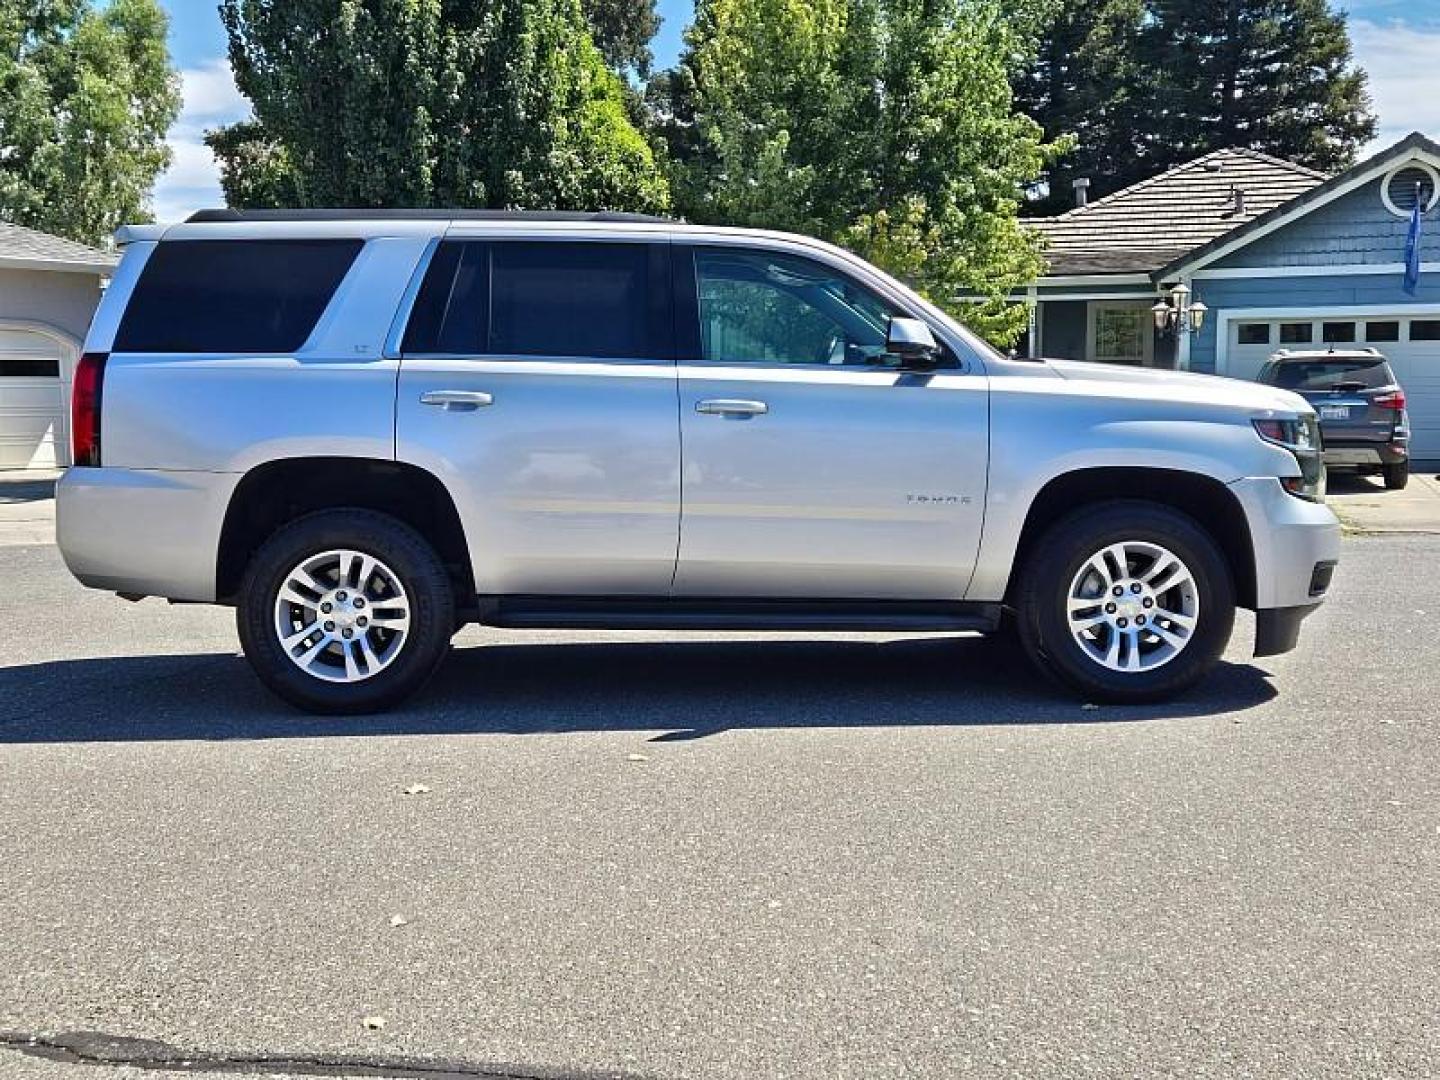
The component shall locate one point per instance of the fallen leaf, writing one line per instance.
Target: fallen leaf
(373, 1023)
(399, 920)
(417, 789)
(637, 757)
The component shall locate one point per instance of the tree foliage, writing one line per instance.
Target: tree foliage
(1144, 85)
(423, 103)
(1085, 82)
(86, 97)
(884, 125)
(1271, 75)
(623, 30)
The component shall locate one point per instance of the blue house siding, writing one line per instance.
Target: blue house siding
(1355, 228)
(1340, 292)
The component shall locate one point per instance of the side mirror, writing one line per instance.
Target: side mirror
(912, 341)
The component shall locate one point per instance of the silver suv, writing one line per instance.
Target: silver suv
(364, 430)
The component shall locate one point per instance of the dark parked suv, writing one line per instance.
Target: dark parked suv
(1361, 406)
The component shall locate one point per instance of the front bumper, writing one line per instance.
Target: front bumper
(143, 531)
(1296, 544)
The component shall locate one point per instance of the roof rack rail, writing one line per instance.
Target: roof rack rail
(371, 214)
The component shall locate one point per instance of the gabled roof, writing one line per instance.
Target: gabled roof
(1157, 221)
(1416, 144)
(31, 249)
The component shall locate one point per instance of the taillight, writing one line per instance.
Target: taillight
(85, 409)
(1393, 400)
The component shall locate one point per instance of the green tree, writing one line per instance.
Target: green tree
(86, 97)
(884, 125)
(1085, 83)
(1145, 85)
(424, 103)
(623, 30)
(1272, 75)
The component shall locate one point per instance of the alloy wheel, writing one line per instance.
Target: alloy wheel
(342, 616)
(1133, 606)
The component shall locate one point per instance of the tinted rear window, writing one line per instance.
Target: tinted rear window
(1327, 374)
(233, 296)
(557, 299)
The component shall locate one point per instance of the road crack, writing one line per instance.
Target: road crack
(101, 1049)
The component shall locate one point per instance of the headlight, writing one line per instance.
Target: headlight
(1301, 437)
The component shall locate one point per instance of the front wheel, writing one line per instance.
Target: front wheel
(345, 611)
(1126, 602)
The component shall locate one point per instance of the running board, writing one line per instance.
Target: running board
(627, 613)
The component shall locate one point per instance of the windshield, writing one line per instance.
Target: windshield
(1331, 373)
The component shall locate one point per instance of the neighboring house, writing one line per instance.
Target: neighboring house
(49, 289)
(1282, 256)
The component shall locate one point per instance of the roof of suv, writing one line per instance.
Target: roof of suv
(336, 214)
(1289, 356)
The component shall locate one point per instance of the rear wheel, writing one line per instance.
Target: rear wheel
(1126, 602)
(345, 611)
(1397, 475)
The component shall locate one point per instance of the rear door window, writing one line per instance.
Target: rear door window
(1337, 374)
(233, 296)
(558, 299)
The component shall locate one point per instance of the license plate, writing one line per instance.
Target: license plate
(1334, 412)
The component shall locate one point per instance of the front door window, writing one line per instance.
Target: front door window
(1121, 334)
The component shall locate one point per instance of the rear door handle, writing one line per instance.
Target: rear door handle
(457, 400)
(731, 407)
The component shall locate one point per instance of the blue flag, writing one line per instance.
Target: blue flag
(1412, 247)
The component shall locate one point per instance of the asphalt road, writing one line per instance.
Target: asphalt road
(851, 857)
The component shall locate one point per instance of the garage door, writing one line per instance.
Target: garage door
(1410, 343)
(32, 400)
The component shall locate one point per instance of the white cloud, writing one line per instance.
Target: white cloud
(210, 93)
(1401, 60)
(193, 179)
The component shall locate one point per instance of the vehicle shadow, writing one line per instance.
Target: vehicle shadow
(24, 489)
(676, 689)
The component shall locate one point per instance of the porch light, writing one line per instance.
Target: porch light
(1179, 315)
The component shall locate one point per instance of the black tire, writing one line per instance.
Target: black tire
(1396, 475)
(405, 553)
(1054, 562)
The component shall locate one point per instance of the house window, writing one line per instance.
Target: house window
(29, 367)
(1425, 330)
(1121, 333)
(1338, 331)
(1296, 333)
(1388, 330)
(1254, 333)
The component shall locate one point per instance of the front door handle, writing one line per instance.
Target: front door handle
(457, 400)
(731, 407)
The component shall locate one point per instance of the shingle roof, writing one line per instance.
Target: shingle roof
(1311, 198)
(34, 248)
(1156, 221)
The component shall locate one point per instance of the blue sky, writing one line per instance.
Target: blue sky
(1396, 41)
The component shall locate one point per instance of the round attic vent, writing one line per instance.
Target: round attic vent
(1399, 188)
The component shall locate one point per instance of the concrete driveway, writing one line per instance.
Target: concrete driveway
(720, 858)
(27, 507)
(1364, 505)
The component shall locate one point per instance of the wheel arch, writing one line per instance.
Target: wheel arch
(1211, 504)
(276, 493)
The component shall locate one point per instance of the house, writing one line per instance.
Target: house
(1280, 255)
(49, 289)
